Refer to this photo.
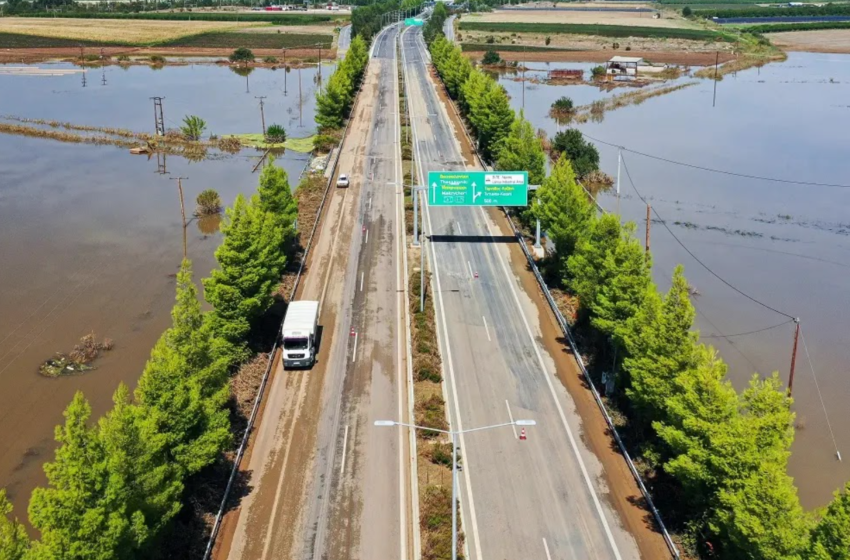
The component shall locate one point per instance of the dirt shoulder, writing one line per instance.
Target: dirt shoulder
(667, 57)
(64, 53)
(823, 41)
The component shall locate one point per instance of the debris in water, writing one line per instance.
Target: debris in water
(77, 360)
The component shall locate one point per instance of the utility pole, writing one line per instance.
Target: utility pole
(300, 102)
(794, 355)
(619, 164)
(716, 60)
(180, 190)
(648, 222)
(158, 118)
(320, 66)
(262, 113)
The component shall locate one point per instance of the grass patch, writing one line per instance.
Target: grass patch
(303, 145)
(277, 19)
(780, 27)
(596, 29)
(25, 41)
(481, 47)
(234, 40)
(759, 11)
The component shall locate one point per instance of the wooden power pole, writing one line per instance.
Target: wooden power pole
(648, 223)
(262, 113)
(182, 209)
(794, 356)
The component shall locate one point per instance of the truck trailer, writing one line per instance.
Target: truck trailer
(299, 334)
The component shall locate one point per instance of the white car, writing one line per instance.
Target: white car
(342, 181)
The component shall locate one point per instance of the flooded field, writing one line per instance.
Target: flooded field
(785, 244)
(91, 236)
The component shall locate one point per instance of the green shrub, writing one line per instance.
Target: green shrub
(242, 55)
(597, 71)
(491, 57)
(193, 127)
(687, 11)
(270, 59)
(431, 413)
(564, 105)
(123, 58)
(157, 60)
(209, 203)
(275, 134)
(548, 40)
(324, 142)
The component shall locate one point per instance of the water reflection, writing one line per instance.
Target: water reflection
(208, 225)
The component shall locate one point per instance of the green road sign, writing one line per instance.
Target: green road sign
(478, 188)
(414, 21)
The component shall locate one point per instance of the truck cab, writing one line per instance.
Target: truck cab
(299, 334)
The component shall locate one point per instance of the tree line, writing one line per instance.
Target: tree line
(116, 484)
(368, 18)
(717, 458)
(333, 104)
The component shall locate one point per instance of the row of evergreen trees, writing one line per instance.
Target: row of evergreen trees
(333, 104)
(721, 453)
(116, 484)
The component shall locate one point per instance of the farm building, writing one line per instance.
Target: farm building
(624, 65)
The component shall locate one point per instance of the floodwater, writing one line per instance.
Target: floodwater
(786, 245)
(91, 236)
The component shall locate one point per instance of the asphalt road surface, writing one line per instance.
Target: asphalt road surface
(541, 498)
(325, 483)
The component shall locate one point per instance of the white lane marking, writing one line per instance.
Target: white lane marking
(344, 448)
(511, 416)
(370, 201)
(468, 482)
(486, 330)
(471, 274)
(367, 236)
(460, 231)
(362, 274)
(573, 444)
(546, 546)
(354, 355)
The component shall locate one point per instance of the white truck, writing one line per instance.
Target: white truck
(299, 334)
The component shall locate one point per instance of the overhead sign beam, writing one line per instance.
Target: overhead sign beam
(478, 188)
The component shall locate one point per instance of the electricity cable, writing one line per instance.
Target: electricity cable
(749, 332)
(720, 171)
(705, 266)
(820, 395)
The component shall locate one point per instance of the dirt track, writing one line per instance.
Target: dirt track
(671, 57)
(39, 55)
(643, 19)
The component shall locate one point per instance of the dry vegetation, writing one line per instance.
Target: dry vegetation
(596, 110)
(114, 31)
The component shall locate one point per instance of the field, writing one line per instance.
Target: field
(828, 41)
(594, 29)
(103, 32)
(276, 18)
(21, 41)
(233, 40)
(643, 19)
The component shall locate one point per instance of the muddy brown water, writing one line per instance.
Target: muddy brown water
(784, 244)
(91, 236)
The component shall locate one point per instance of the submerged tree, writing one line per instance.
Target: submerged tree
(193, 127)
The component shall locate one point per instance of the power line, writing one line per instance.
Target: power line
(820, 396)
(705, 266)
(720, 171)
(748, 332)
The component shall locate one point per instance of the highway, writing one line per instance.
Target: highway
(324, 483)
(541, 498)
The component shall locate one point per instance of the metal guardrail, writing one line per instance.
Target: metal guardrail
(569, 335)
(249, 429)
